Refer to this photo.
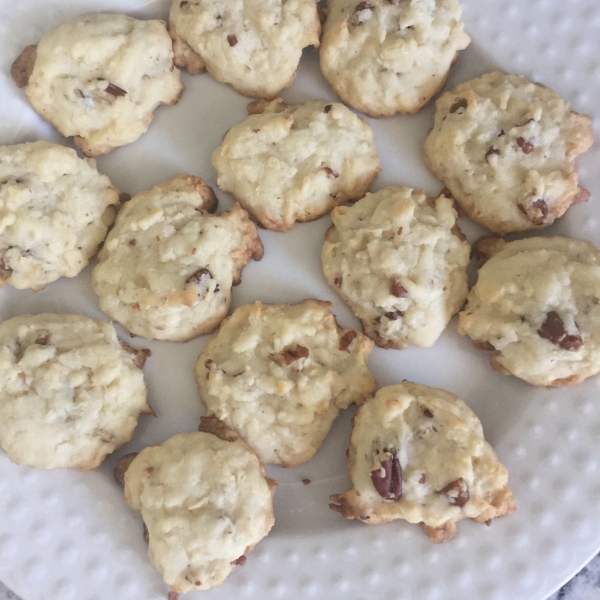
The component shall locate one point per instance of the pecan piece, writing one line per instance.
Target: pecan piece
(387, 475)
(428, 413)
(232, 40)
(331, 173)
(537, 212)
(394, 315)
(346, 339)
(139, 355)
(338, 282)
(239, 561)
(526, 146)
(328, 108)
(42, 340)
(553, 330)
(483, 345)
(398, 290)
(457, 492)
(23, 67)
(461, 103)
(293, 354)
(115, 90)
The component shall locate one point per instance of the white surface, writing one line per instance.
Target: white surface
(69, 535)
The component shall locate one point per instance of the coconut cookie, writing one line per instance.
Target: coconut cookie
(254, 45)
(55, 209)
(387, 56)
(99, 78)
(399, 260)
(295, 163)
(205, 499)
(70, 393)
(536, 307)
(418, 453)
(279, 375)
(167, 267)
(505, 148)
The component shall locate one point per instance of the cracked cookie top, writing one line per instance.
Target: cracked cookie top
(387, 56)
(536, 308)
(254, 45)
(295, 163)
(205, 501)
(55, 209)
(167, 267)
(70, 393)
(279, 375)
(505, 149)
(398, 259)
(100, 77)
(418, 453)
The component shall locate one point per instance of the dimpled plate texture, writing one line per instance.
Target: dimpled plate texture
(69, 535)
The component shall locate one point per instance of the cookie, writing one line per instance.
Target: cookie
(279, 374)
(295, 163)
(387, 56)
(99, 78)
(55, 209)
(399, 261)
(70, 393)
(254, 45)
(418, 453)
(205, 499)
(505, 149)
(167, 267)
(536, 308)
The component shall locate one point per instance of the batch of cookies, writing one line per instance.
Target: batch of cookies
(274, 377)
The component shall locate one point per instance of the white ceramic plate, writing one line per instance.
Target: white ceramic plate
(69, 535)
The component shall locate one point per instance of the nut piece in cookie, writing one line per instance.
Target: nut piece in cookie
(211, 493)
(254, 45)
(536, 308)
(505, 148)
(295, 163)
(99, 78)
(70, 394)
(279, 375)
(418, 453)
(399, 260)
(384, 56)
(56, 209)
(167, 267)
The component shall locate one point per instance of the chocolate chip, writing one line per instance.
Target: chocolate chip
(331, 173)
(501, 133)
(328, 108)
(346, 339)
(239, 561)
(232, 39)
(115, 90)
(462, 103)
(457, 492)
(422, 478)
(338, 282)
(182, 4)
(293, 354)
(42, 340)
(537, 212)
(491, 150)
(428, 413)
(398, 290)
(306, 481)
(553, 330)
(132, 242)
(525, 145)
(387, 476)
